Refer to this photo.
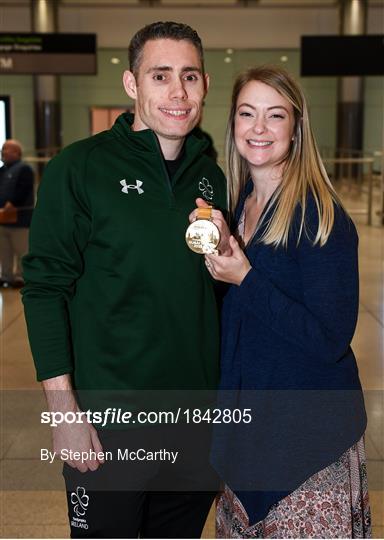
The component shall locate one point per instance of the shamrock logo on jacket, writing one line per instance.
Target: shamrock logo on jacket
(80, 501)
(206, 188)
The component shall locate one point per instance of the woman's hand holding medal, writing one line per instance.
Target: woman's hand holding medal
(231, 265)
(229, 268)
(217, 218)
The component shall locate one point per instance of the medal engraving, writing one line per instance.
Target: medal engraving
(203, 237)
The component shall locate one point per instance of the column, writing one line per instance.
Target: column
(350, 107)
(46, 87)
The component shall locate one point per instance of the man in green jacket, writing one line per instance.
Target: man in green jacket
(115, 302)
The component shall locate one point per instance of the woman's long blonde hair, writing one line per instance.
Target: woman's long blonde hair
(303, 170)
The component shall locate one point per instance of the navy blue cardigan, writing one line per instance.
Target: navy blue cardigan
(286, 355)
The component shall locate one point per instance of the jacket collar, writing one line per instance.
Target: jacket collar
(146, 140)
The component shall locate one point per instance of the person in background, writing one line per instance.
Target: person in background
(117, 305)
(16, 206)
(298, 469)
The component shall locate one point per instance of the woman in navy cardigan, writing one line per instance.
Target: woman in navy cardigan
(297, 470)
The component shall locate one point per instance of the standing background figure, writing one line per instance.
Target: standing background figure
(16, 205)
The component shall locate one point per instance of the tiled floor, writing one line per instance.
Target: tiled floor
(26, 512)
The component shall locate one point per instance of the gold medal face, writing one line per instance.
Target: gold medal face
(202, 236)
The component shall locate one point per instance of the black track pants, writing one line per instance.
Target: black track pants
(150, 499)
(148, 515)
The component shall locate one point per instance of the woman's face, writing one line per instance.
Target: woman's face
(264, 126)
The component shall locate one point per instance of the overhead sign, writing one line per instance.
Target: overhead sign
(47, 54)
(342, 56)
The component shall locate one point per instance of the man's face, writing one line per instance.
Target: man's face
(10, 152)
(169, 88)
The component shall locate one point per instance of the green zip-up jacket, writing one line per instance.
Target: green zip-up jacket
(113, 295)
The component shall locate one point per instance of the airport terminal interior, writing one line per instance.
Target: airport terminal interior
(236, 34)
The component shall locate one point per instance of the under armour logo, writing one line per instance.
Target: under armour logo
(126, 186)
(80, 501)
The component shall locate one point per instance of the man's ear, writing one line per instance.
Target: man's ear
(206, 82)
(129, 82)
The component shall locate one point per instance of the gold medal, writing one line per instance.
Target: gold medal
(202, 235)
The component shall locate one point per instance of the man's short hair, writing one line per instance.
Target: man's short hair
(161, 30)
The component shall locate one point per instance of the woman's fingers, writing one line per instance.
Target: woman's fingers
(209, 263)
(230, 269)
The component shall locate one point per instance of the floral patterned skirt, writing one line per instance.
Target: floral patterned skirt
(332, 503)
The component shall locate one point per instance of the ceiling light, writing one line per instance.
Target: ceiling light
(227, 59)
(115, 60)
(284, 58)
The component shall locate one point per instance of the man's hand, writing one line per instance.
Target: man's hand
(218, 219)
(230, 269)
(80, 437)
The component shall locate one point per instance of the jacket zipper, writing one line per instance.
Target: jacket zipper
(165, 171)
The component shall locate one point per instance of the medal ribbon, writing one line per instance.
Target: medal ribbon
(204, 213)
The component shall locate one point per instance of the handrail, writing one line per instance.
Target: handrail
(352, 161)
(348, 160)
(34, 159)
